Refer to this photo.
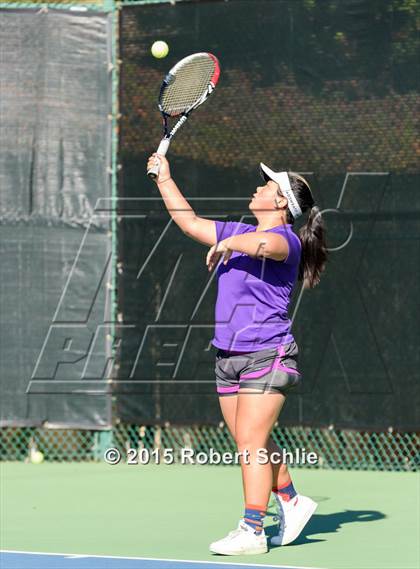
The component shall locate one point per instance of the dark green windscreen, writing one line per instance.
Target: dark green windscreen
(325, 88)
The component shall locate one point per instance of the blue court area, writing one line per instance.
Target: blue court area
(23, 560)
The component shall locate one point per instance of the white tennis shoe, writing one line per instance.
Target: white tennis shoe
(293, 517)
(241, 541)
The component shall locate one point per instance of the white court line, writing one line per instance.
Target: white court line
(75, 555)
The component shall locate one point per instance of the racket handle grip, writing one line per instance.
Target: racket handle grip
(153, 172)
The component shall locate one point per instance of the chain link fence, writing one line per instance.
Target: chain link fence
(106, 5)
(76, 5)
(335, 448)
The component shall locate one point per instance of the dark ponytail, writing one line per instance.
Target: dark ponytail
(314, 250)
(312, 235)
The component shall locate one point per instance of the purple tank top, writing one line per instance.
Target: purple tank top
(254, 294)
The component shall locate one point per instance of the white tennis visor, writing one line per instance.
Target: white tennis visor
(282, 179)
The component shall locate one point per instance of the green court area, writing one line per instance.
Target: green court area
(365, 520)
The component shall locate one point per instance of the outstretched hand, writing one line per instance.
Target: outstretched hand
(216, 252)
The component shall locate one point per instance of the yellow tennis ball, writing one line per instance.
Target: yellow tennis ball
(37, 457)
(160, 49)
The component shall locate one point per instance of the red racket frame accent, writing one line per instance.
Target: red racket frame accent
(216, 74)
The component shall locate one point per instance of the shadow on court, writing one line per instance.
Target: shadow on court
(329, 523)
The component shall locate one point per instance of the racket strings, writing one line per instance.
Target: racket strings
(190, 83)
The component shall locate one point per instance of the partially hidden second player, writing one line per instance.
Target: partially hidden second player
(256, 361)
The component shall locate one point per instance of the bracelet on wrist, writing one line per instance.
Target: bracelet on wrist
(167, 179)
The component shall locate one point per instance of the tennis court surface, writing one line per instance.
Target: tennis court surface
(19, 560)
(91, 516)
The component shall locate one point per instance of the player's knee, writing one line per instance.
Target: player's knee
(248, 440)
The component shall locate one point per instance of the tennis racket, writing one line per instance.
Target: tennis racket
(187, 85)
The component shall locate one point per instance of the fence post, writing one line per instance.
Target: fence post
(103, 441)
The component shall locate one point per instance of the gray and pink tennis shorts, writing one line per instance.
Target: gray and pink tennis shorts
(272, 370)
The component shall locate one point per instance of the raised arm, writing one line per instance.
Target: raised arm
(198, 228)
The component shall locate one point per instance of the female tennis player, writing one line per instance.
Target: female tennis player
(256, 361)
